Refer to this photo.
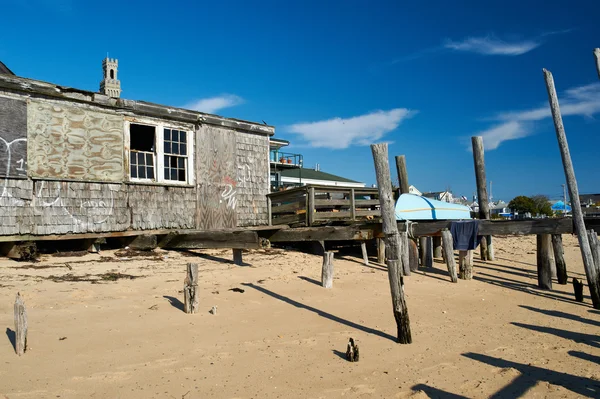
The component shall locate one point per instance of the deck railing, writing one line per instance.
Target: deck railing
(313, 205)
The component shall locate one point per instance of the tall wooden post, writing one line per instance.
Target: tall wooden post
(190, 286)
(365, 255)
(20, 326)
(402, 174)
(423, 250)
(559, 258)
(584, 243)
(465, 265)
(405, 253)
(327, 270)
(429, 252)
(482, 196)
(413, 255)
(310, 206)
(390, 229)
(380, 251)
(449, 254)
(544, 269)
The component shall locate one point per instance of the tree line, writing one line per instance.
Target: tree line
(536, 205)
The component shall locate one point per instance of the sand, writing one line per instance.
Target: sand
(284, 336)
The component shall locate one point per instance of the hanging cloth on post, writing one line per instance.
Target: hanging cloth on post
(465, 235)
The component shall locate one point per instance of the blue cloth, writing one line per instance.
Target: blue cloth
(465, 235)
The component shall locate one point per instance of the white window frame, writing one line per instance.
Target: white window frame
(159, 151)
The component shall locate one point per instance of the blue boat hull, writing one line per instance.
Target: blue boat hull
(415, 207)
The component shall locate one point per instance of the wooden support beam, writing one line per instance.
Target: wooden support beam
(380, 250)
(483, 248)
(437, 247)
(544, 268)
(390, 230)
(413, 255)
(145, 242)
(365, 255)
(584, 244)
(270, 211)
(310, 206)
(327, 270)
(352, 204)
(240, 239)
(559, 258)
(399, 302)
(190, 286)
(402, 174)
(428, 252)
(482, 194)
(422, 250)
(449, 254)
(20, 326)
(404, 253)
(465, 265)
(595, 247)
(237, 257)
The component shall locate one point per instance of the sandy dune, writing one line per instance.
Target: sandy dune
(285, 336)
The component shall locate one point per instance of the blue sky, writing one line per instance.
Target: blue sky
(335, 76)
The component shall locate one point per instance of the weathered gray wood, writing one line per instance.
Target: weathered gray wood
(482, 194)
(365, 255)
(13, 138)
(190, 286)
(448, 248)
(20, 326)
(437, 247)
(390, 230)
(465, 265)
(429, 252)
(310, 208)
(584, 244)
(559, 258)
(597, 58)
(324, 233)
(270, 211)
(399, 302)
(245, 239)
(380, 250)
(483, 248)
(144, 242)
(544, 247)
(402, 174)
(404, 253)
(237, 257)
(352, 204)
(327, 270)
(595, 247)
(423, 250)
(413, 255)
(578, 289)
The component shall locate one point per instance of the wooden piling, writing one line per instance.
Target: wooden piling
(404, 253)
(380, 250)
(190, 286)
(390, 229)
(399, 302)
(237, 257)
(465, 265)
(584, 244)
(578, 289)
(482, 195)
(365, 255)
(544, 268)
(20, 326)
(559, 258)
(437, 247)
(413, 255)
(327, 270)
(402, 174)
(422, 250)
(449, 254)
(595, 248)
(429, 252)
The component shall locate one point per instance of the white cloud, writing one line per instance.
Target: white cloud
(341, 133)
(213, 104)
(581, 101)
(489, 45)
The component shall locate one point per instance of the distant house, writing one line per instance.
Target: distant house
(500, 209)
(445, 196)
(589, 204)
(280, 161)
(302, 176)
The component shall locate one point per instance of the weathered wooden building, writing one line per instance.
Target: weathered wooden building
(74, 161)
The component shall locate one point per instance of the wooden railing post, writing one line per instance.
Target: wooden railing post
(269, 211)
(352, 204)
(311, 206)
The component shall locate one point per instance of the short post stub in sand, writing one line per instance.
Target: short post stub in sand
(578, 289)
(20, 326)
(544, 266)
(413, 255)
(428, 252)
(365, 255)
(327, 270)
(190, 286)
(465, 265)
(559, 258)
(422, 249)
(437, 247)
(237, 257)
(449, 254)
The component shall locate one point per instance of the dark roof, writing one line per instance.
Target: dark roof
(585, 198)
(4, 69)
(314, 174)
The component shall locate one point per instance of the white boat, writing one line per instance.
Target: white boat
(415, 207)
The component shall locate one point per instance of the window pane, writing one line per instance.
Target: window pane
(167, 174)
(141, 172)
(141, 158)
(182, 137)
(168, 147)
(150, 172)
(175, 136)
(149, 159)
(167, 134)
(182, 175)
(180, 162)
(175, 148)
(173, 162)
(133, 170)
(173, 174)
(182, 149)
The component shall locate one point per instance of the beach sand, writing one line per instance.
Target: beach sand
(285, 336)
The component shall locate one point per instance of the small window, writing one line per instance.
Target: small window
(142, 154)
(112, 73)
(175, 149)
